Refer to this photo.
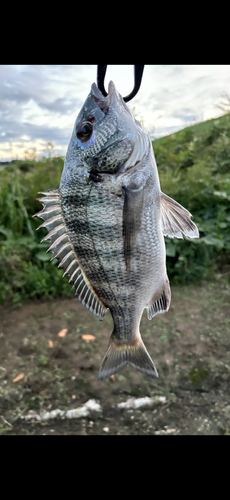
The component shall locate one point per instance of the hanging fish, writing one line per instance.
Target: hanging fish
(107, 223)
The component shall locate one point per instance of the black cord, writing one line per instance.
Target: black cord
(138, 72)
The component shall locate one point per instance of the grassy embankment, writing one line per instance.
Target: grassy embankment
(194, 169)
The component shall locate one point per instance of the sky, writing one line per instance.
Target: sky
(39, 103)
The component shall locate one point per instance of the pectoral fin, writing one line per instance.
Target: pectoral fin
(132, 214)
(176, 220)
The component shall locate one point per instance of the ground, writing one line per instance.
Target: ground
(190, 346)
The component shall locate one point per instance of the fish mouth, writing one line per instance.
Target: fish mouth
(103, 102)
(103, 106)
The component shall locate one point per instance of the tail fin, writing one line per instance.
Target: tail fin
(121, 353)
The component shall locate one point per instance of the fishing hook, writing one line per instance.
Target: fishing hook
(138, 72)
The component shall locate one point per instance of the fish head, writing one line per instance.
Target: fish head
(106, 136)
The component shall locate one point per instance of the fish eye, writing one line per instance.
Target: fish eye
(85, 131)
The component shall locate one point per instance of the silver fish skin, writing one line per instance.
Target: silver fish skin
(107, 223)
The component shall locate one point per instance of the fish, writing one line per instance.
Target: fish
(107, 222)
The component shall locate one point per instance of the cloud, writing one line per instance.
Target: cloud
(31, 104)
(61, 105)
(42, 101)
(186, 114)
(33, 132)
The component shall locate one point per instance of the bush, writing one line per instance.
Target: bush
(194, 169)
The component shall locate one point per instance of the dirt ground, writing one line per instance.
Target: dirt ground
(190, 346)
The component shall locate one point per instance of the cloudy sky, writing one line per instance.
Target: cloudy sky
(39, 103)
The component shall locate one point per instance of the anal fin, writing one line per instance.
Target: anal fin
(160, 302)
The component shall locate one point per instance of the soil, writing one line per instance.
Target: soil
(190, 346)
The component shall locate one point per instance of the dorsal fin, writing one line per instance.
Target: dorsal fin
(63, 250)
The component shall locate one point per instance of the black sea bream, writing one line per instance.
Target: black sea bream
(107, 223)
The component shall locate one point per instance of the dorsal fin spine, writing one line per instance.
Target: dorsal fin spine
(59, 243)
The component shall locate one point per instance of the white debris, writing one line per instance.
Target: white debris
(93, 405)
(167, 431)
(77, 413)
(51, 414)
(32, 415)
(138, 402)
(106, 429)
(82, 411)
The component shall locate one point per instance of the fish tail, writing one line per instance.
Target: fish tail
(122, 353)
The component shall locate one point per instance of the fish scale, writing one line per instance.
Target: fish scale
(107, 222)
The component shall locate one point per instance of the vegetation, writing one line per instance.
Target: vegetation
(25, 270)
(194, 169)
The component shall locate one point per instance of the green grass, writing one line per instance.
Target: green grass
(194, 169)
